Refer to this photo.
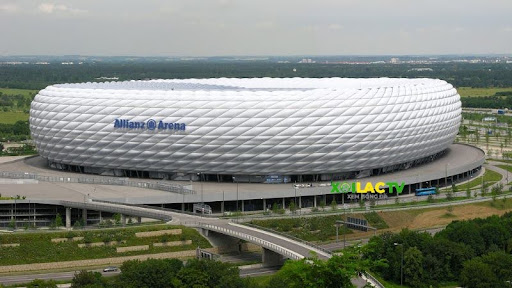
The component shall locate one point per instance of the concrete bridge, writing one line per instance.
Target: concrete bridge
(220, 232)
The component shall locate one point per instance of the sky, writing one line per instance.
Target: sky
(258, 27)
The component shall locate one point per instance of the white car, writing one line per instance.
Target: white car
(111, 269)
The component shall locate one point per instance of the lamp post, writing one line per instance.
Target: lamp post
(202, 199)
(401, 264)
(295, 199)
(234, 178)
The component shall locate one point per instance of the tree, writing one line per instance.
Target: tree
(150, 273)
(313, 273)
(117, 218)
(413, 267)
(449, 195)
(38, 283)
(87, 279)
(58, 220)
(322, 205)
(209, 273)
(292, 207)
(334, 205)
(12, 224)
(477, 274)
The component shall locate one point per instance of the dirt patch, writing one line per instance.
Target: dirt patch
(435, 217)
(394, 219)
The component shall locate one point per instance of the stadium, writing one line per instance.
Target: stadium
(259, 130)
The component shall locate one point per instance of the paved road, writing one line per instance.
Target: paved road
(60, 276)
(65, 276)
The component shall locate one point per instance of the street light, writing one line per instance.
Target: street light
(401, 264)
(234, 178)
(202, 199)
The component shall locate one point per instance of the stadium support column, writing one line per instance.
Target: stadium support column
(284, 204)
(68, 217)
(243, 206)
(314, 201)
(264, 204)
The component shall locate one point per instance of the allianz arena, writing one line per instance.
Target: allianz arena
(253, 130)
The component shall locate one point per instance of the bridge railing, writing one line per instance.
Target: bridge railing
(374, 280)
(167, 187)
(156, 208)
(118, 208)
(289, 236)
(258, 241)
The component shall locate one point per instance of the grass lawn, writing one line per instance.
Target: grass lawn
(25, 92)
(11, 117)
(38, 248)
(479, 92)
(489, 176)
(321, 228)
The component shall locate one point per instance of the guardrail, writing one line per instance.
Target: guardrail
(167, 187)
(263, 243)
(117, 208)
(373, 279)
(157, 208)
(289, 236)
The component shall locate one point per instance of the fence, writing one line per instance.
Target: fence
(167, 187)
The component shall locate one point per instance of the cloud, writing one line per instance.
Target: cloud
(335, 27)
(265, 25)
(8, 8)
(51, 8)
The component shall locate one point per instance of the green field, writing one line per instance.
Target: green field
(11, 117)
(14, 104)
(24, 92)
(479, 92)
(489, 177)
(38, 248)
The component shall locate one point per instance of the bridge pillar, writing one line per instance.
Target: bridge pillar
(222, 207)
(224, 243)
(264, 204)
(243, 206)
(271, 258)
(284, 204)
(314, 201)
(68, 217)
(300, 202)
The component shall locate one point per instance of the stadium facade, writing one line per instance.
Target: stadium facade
(245, 130)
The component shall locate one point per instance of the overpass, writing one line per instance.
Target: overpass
(221, 232)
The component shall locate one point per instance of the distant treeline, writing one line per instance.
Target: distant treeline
(18, 131)
(498, 101)
(16, 102)
(39, 76)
